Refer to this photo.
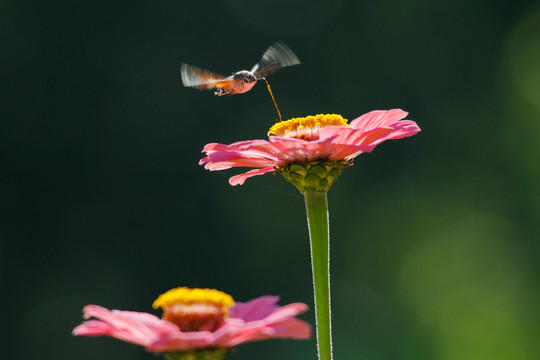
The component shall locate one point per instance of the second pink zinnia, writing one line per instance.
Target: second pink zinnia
(197, 320)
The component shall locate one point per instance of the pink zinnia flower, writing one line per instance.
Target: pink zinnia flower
(196, 320)
(322, 138)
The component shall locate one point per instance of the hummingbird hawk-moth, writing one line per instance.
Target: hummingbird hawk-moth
(274, 58)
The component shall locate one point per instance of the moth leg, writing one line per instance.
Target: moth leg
(221, 91)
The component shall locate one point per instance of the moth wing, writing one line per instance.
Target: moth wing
(193, 76)
(277, 56)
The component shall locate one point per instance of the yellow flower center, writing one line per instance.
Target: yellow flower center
(194, 309)
(306, 128)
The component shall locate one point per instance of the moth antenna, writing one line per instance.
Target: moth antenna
(273, 99)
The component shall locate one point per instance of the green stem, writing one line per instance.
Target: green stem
(317, 213)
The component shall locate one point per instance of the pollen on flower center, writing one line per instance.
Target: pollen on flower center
(194, 309)
(306, 128)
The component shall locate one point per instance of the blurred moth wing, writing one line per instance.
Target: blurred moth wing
(277, 56)
(195, 77)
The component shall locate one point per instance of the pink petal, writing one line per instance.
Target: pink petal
(371, 136)
(241, 178)
(226, 160)
(350, 136)
(402, 129)
(282, 323)
(292, 149)
(213, 147)
(249, 145)
(183, 341)
(134, 327)
(255, 309)
(252, 153)
(338, 134)
(347, 152)
(92, 328)
(251, 148)
(377, 118)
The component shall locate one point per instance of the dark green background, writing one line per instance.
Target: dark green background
(435, 238)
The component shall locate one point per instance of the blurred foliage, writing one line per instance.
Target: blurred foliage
(435, 239)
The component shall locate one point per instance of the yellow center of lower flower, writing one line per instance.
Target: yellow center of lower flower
(194, 309)
(306, 128)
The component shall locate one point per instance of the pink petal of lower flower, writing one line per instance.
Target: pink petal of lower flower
(92, 328)
(183, 341)
(255, 309)
(241, 178)
(281, 323)
(134, 327)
